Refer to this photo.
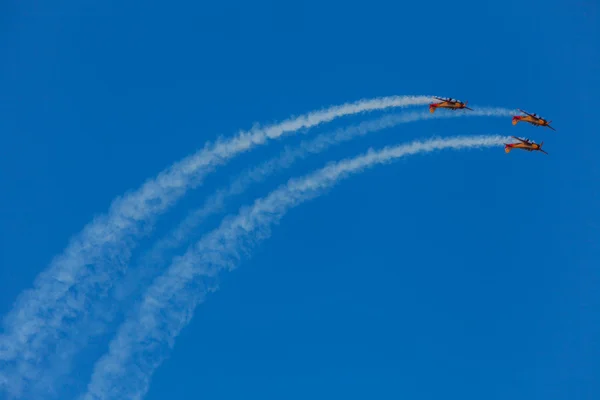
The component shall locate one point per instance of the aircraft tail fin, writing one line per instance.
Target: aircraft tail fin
(432, 109)
(507, 149)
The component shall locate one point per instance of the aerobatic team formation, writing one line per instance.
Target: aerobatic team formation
(523, 144)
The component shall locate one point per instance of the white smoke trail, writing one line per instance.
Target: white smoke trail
(93, 259)
(216, 202)
(143, 341)
(132, 284)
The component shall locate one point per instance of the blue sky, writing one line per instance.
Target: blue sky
(461, 274)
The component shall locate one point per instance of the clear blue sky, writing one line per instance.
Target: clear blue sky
(463, 275)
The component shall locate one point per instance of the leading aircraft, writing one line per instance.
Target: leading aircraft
(533, 119)
(449, 103)
(526, 144)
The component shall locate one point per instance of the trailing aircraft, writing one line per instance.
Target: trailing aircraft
(451, 104)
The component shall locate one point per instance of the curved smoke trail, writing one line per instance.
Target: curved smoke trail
(131, 285)
(93, 258)
(153, 258)
(287, 158)
(143, 341)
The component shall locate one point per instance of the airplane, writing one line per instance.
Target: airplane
(533, 119)
(451, 104)
(526, 144)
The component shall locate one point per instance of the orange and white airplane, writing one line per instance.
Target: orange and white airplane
(526, 144)
(448, 103)
(533, 119)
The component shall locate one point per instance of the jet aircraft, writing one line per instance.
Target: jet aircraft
(526, 144)
(533, 119)
(448, 103)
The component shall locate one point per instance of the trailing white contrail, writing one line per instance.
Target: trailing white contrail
(93, 258)
(143, 340)
(216, 202)
(321, 143)
(129, 286)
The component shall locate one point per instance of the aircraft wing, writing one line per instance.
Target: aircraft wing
(551, 127)
(522, 140)
(440, 98)
(525, 112)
